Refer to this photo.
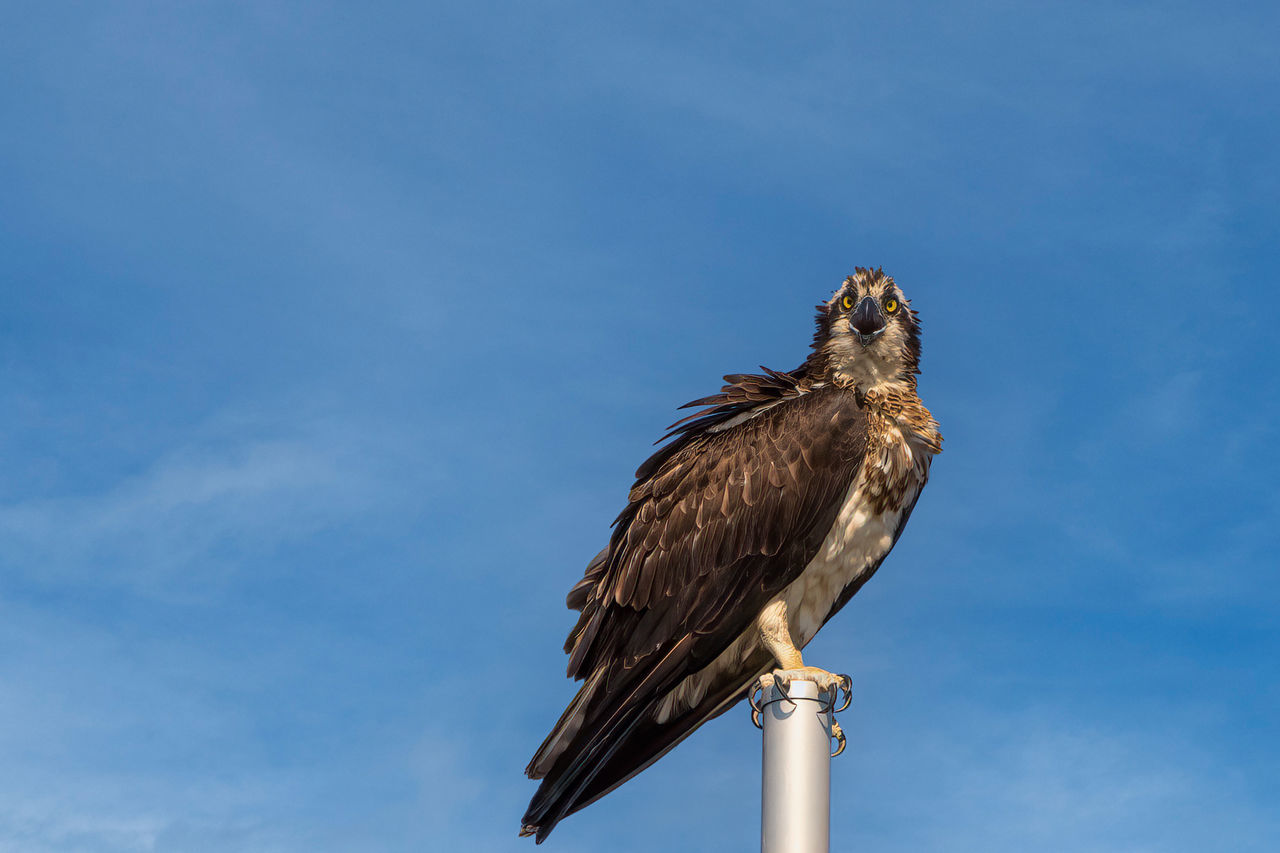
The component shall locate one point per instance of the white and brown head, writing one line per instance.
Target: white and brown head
(867, 333)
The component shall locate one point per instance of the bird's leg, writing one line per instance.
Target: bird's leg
(776, 636)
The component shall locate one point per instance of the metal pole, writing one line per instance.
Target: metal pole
(795, 814)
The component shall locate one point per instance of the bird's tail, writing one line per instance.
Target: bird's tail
(608, 735)
(561, 792)
(579, 747)
(565, 729)
(598, 722)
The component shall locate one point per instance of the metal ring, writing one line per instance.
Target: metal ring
(828, 707)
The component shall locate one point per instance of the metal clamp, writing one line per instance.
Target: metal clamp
(756, 695)
(838, 734)
(756, 708)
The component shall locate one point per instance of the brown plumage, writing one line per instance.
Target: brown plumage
(733, 511)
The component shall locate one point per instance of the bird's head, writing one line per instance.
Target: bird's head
(867, 333)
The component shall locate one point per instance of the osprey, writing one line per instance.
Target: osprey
(760, 518)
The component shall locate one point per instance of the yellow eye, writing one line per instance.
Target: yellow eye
(891, 306)
(847, 302)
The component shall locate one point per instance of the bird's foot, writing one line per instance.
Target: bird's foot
(828, 682)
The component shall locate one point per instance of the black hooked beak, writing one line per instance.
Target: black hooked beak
(867, 321)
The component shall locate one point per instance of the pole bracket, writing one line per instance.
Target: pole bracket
(757, 692)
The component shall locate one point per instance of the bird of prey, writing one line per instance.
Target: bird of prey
(758, 520)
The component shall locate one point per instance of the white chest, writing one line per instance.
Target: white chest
(858, 540)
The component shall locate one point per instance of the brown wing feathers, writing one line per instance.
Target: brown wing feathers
(718, 520)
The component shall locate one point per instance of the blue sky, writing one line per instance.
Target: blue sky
(332, 334)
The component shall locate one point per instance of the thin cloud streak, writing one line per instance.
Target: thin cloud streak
(193, 507)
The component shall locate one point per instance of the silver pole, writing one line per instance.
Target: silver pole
(795, 815)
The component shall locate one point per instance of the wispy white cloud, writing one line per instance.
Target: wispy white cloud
(236, 488)
(82, 810)
(1039, 779)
